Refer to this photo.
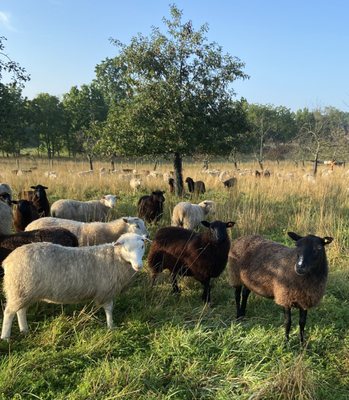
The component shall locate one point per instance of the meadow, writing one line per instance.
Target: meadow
(174, 347)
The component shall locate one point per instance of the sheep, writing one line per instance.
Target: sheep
(8, 243)
(5, 218)
(85, 173)
(293, 277)
(84, 211)
(24, 213)
(5, 188)
(171, 182)
(93, 232)
(189, 216)
(40, 200)
(197, 187)
(150, 207)
(187, 253)
(68, 275)
(135, 184)
(229, 183)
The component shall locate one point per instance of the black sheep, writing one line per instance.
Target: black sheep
(197, 187)
(229, 183)
(23, 214)
(187, 253)
(61, 236)
(40, 200)
(151, 207)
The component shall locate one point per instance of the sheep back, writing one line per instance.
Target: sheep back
(84, 211)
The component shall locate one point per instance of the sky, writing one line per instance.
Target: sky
(296, 52)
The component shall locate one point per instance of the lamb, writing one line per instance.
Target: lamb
(93, 232)
(197, 187)
(189, 216)
(40, 200)
(151, 207)
(68, 275)
(24, 213)
(84, 211)
(293, 277)
(8, 243)
(187, 253)
(5, 218)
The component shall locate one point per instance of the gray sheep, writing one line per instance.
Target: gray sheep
(293, 277)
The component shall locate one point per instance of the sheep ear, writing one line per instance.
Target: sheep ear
(230, 224)
(33, 187)
(14, 202)
(327, 240)
(125, 220)
(45, 187)
(294, 236)
(205, 223)
(117, 243)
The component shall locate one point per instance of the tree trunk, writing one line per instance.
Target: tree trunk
(315, 163)
(177, 164)
(156, 165)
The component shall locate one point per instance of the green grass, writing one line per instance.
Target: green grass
(167, 346)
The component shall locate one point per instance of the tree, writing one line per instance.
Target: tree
(48, 120)
(17, 73)
(84, 107)
(178, 89)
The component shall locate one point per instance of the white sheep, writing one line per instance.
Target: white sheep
(85, 211)
(135, 183)
(189, 216)
(94, 232)
(67, 275)
(85, 173)
(5, 218)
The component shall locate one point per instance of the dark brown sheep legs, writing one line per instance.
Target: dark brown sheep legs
(302, 321)
(241, 305)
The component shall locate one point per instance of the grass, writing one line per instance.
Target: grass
(174, 347)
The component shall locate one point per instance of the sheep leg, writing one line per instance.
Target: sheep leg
(175, 287)
(287, 313)
(245, 294)
(108, 308)
(302, 321)
(206, 295)
(22, 319)
(7, 323)
(238, 301)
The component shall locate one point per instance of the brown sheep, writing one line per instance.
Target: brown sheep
(293, 277)
(197, 187)
(151, 207)
(23, 214)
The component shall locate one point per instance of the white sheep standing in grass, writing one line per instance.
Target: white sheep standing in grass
(93, 233)
(189, 216)
(84, 211)
(135, 184)
(5, 218)
(68, 275)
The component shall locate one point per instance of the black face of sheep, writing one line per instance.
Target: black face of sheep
(159, 195)
(39, 191)
(218, 229)
(6, 198)
(310, 252)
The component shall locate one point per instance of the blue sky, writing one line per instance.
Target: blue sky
(296, 52)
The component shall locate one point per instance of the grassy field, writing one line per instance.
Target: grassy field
(169, 347)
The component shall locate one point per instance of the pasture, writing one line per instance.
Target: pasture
(173, 347)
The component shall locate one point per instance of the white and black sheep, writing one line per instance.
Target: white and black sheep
(68, 275)
(84, 211)
(187, 253)
(93, 232)
(293, 277)
(189, 216)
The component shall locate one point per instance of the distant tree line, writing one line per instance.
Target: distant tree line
(168, 94)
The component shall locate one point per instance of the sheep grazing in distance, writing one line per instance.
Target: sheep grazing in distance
(40, 200)
(189, 216)
(187, 253)
(151, 207)
(293, 277)
(135, 184)
(95, 273)
(61, 236)
(93, 233)
(23, 214)
(229, 183)
(84, 211)
(197, 187)
(5, 218)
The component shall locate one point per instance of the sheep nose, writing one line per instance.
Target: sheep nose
(137, 267)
